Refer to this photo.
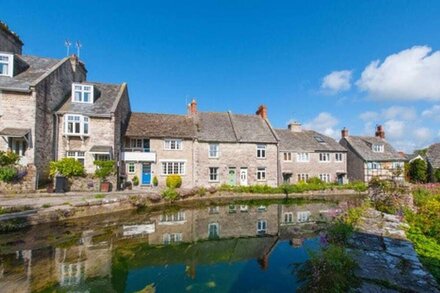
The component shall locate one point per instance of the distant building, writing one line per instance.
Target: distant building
(306, 153)
(433, 159)
(372, 156)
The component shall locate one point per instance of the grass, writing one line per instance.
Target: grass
(100, 196)
(46, 205)
(9, 210)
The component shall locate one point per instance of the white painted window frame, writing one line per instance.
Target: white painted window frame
(302, 157)
(262, 173)
(82, 120)
(216, 174)
(324, 158)
(168, 143)
(81, 88)
(9, 64)
(261, 151)
(181, 168)
(215, 151)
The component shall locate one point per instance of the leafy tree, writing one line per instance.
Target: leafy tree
(68, 167)
(437, 175)
(418, 171)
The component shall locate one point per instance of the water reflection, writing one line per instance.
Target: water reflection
(223, 248)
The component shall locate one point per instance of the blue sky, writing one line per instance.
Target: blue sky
(309, 61)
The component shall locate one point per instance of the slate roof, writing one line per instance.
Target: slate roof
(433, 155)
(101, 149)
(33, 69)
(305, 141)
(160, 125)
(106, 96)
(14, 132)
(362, 145)
(229, 127)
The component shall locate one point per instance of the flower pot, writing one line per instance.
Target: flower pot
(105, 186)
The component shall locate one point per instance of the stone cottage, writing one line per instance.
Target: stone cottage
(306, 153)
(372, 156)
(91, 122)
(31, 88)
(433, 160)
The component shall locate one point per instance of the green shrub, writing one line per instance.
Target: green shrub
(314, 180)
(328, 270)
(437, 175)
(8, 158)
(135, 180)
(418, 171)
(339, 232)
(201, 191)
(104, 169)
(8, 174)
(155, 181)
(174, 181)
(170, 194)
(67, 167)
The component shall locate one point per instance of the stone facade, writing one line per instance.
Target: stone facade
(313, 168)
(236, 156)
(25, 184)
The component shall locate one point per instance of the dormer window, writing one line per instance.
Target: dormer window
(82, 93)
(76, 125)
(6, 65)
(378, 148)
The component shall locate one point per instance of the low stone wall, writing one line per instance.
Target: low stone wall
(27, 182)
(89, 183)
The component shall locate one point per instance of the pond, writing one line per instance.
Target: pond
(230, 247)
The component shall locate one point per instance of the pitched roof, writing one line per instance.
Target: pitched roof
(228, 127)
(306, 141)
(33, 68)
(362, 145)
(433, 155)
(106, 95)
(160, 125)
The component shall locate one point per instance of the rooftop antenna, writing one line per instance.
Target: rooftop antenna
(67, 43)
(78, 48)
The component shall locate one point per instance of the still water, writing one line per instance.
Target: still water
(233, 247)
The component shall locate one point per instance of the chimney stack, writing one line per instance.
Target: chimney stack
(262, 111)
(9, 41)
(344, 132)
(294, 126)
(380, 132)
(79, 69)
(192, 108)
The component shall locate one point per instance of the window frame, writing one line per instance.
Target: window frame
(341, 159)
(288, 217)
(215, 151)
(80, 156)
(261, 174)
(260, 228)
(9, 64)
(261, 151)
(303, 157)
(211, 174)
(82, 91)
(378, 148)
(325, 177)
(325, 156)
(217, 225)
(303, 177)
(82, 120)
(287, 156)
(181, 167)
(131, 164)
(300, 216)
(168, 144)
(171, 238)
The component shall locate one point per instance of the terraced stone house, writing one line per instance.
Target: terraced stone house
(306, 153)
(204, 148)
(372, 156)
(31, 89)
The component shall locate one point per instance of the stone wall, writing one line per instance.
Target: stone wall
(238, 155)
(9, 42)
(27, 184)
(355, 165)
(314, 167)
(89, 183)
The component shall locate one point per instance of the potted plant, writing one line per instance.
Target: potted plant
(155, 181)
(103, 170)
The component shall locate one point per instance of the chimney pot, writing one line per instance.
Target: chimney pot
(344, 132)
(192, 108)
(380, 132)
(262, 111)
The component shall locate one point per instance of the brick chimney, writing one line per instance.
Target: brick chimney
(192, 108)
(9, 41)
(294, 126)
(344, 132)
(262, 111)
(79, 69)
(380, 132)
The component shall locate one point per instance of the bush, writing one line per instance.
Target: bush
(135, 180)
(174, 181)
(104, 169)
(201, 191)
(314, 180)
(329, 270)
(67, 167)
(7, 174)
(155, 181)
(418, 171)
(339, 232)
(170, 194)
(437, 175)
(8, 158)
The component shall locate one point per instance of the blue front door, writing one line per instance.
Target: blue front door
(146, 174)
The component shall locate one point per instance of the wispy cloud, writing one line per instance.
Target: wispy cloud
(337, 81)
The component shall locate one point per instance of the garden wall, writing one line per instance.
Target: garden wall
(27, 182)
(89, 183)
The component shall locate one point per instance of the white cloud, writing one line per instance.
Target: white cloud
(422, 134)
(398, 112)
(369, 115)
(394, 128)
(411, 74)
(432, 113)
(337, 81)
(325, 123)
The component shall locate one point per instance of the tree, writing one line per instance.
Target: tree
(418, 171)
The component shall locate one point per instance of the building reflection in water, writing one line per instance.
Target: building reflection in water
(247, 231)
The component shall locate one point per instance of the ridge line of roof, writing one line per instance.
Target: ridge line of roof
(122, 88)
(49, 72)
(233, 126)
